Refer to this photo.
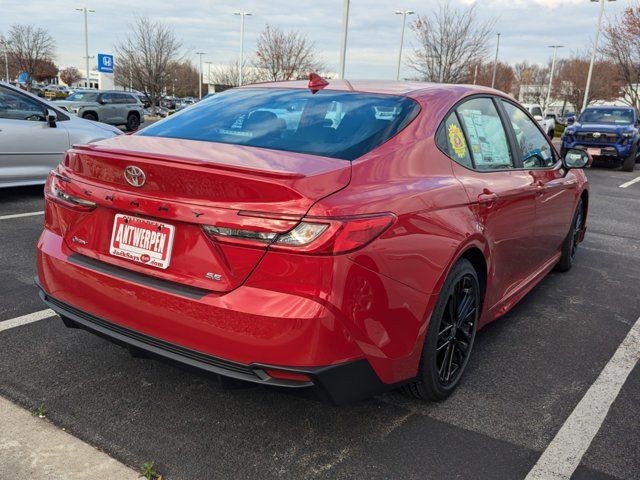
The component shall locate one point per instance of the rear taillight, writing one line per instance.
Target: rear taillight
(55, 191)
(313, 235)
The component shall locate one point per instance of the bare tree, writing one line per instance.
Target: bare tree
(531, 82)
(183, 81)
(70, 75)
(571, 80)
(229, 75)
(482, 73)
(28, 46)
(145, 58)
(449, 41)
(45, 70)
(285, 55)
(622, 47)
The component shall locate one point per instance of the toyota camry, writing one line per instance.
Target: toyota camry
(344, 237)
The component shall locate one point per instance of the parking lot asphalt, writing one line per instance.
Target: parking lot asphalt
(528, 372)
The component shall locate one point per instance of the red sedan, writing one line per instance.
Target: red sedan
(347, 236)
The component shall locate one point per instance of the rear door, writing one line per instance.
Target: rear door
(29, 147)
(108, 109)
(555, 189)
(502, 196)
(124, 104)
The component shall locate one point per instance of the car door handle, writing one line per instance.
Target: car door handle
(487, 197)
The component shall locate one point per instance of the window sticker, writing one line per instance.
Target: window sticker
(456, 138)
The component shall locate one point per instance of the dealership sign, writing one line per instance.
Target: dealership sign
(105, 63)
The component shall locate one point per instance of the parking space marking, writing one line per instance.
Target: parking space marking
(563, 455)
(630, 182)
(20, 215)
(25, 319)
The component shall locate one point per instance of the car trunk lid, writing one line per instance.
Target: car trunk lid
(188, 185)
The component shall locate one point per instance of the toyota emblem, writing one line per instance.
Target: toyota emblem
(134, 176)
(596, 134)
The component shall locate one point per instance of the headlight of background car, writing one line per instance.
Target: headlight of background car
(627, 134)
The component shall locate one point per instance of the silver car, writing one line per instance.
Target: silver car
(34, 135)
(107, 106)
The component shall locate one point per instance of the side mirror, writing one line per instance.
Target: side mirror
(575, 158)
(52, 118)
(571, 120)
(537, 118)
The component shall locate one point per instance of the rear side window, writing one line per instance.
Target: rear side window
(486, 135)
(343, 125)
(452, 141)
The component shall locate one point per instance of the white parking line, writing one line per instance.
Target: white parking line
(20, 215)
(563, 455)
(630, 182)
(25, 319)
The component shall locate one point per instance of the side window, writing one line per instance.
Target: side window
(486, 135)
(108, 98)
(452, 142)
(533, 146)
(14, 106)
(536, 111)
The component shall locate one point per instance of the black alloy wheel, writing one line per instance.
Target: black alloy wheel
(450, 336)
(572, 240)
(576, 229)
(457, 330)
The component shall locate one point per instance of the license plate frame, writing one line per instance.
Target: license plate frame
(594, 151)
(132, 243)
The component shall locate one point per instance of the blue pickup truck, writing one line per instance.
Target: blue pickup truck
(609, 134)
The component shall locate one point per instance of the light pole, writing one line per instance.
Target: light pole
(241, 66)
(553, 66)
(343, 42)
(208, 76)
(200, 54)
(86, 39)
(593, 54)
(495, 63)
(404, 14)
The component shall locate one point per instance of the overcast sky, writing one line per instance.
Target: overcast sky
(527, 26)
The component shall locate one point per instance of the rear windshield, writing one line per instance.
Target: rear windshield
(343, 125)
(622, 116)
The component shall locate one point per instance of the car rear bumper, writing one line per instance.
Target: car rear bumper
(247, 334)
(343, 383)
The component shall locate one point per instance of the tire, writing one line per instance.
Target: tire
(570, 244)
(90, 116)
(133, 122)
(551, 133)
(630, 162)
(444, 346)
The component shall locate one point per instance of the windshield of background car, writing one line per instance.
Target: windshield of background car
(621, 116)
(343, 125)
(83, 97)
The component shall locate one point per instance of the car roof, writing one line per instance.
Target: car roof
(412, 89)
